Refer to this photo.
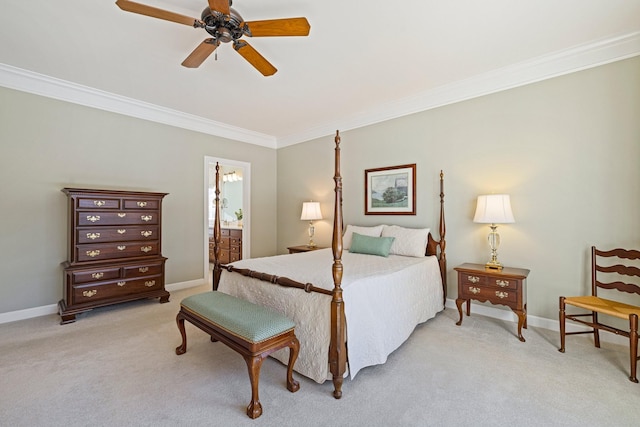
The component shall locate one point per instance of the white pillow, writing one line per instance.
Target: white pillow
(365, 231)
(408, 241)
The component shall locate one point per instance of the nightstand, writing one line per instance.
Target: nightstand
(506, 287)
(303, 248)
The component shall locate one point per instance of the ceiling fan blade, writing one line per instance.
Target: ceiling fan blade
(154, 12)
(254, 58)
(221, 6)
(200, 53)
(280, 27)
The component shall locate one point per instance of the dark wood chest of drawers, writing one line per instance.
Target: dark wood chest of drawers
(230, 245)
(114, 250)
(505, 287)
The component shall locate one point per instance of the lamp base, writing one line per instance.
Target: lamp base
(493, 265)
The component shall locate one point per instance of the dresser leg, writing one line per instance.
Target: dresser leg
(522, 320)
(459, 303)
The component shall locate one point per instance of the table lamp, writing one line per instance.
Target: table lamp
(311, 212)
(494, 209)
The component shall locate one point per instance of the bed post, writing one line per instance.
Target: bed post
(337, 347)
(442, 259)
(216, 233)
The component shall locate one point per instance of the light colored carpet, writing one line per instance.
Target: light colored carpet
(117, 366)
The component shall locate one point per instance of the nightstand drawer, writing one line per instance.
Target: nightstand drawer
(489, 294)
(473, 279)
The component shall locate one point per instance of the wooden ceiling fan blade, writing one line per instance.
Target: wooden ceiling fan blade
(200, 53)
(221, 6)
(154, 12)
(279, 27)
(254, 58)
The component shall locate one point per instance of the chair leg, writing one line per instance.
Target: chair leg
(561, 317)
(633, 343)
(596, 331)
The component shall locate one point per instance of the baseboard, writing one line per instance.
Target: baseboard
(535, 321)
(45, 310)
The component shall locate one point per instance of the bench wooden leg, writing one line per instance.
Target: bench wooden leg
(254, 363)
(294, 349)
(182, 348)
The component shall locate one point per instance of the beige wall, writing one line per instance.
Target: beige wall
(48, 144)
(567, 150)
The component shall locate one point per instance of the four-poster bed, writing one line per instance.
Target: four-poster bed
(324, 310)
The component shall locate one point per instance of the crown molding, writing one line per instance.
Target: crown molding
(51, 87)
(544, 67)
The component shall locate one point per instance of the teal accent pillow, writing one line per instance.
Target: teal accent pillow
(369, 245)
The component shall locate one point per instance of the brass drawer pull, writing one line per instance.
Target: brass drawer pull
(122, 231)
(143, 269)
(473, 279)
(146, 233)
(146, 249)
(121, 284)
(502, 283)
(501, 294)
(90, 293)
(93, 236)
(93, 253)
(473, 290)
(150, 283)
(93, 218)
(97, 275)
(99, 203)
(146, 217)
(141, 204)
(122, 247)
(122, 214)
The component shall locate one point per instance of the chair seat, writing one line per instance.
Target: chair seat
(605, 306)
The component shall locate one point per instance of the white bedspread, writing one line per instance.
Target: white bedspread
(384, 299)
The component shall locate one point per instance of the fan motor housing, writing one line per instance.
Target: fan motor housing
(224, 28)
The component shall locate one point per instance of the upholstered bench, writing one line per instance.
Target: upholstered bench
(251, 330)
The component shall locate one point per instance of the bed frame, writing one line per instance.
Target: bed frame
(337, 347)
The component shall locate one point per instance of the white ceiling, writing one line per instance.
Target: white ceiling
(362, 62)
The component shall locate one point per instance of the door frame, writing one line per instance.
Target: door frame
(209, 169)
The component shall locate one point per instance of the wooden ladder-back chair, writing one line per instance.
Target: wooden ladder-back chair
(618, 267)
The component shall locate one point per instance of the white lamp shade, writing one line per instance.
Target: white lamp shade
(311, 211)
(494, 209)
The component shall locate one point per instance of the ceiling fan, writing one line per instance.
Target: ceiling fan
(225, 25)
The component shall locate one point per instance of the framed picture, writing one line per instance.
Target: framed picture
(390, 191)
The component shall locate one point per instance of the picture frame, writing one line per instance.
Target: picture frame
(390, 190)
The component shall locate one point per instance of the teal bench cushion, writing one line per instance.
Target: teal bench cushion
(251, 322)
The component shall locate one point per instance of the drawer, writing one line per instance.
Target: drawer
(98, 203)
(94, 275)
(480, 280)
(89, 292)
(235, 241)
(225, 232)
(225, 243)
(141, 204)
(235, 233)
(234, 256)
(142, 270)
(486, 293)
(472, 279)
(117, 234)
(502, 283)
(116, 218)
(116, 250)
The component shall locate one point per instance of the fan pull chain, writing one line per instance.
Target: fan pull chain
(215, 56)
